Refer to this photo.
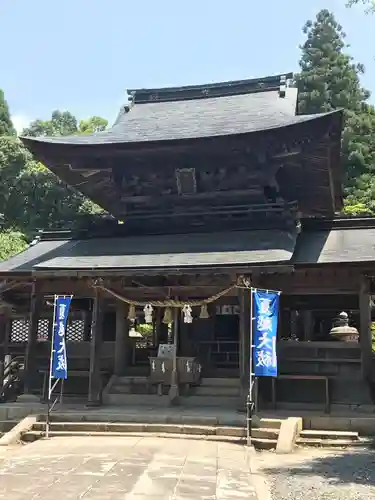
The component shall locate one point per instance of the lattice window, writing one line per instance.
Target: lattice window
(19, 330)
(43, 330)
(75, 331)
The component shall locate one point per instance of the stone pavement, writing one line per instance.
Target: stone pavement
(131, 468)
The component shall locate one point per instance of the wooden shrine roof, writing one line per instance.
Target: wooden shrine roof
(155, 253)
(170, 114)
(321, 242)
(346, 240)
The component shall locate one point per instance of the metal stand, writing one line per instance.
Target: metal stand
(249, 400)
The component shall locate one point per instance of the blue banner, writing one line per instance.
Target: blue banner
(266, 311)
(59, 365)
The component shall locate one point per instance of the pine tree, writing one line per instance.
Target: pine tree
(6, 125)
(329, 80)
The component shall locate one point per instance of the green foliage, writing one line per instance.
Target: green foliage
(370, 4)
(6, 125)
(40, 200)
(61, 123)
(64, 123)
(31, 196)
(11, 243)
(329, 80)
(92, 125)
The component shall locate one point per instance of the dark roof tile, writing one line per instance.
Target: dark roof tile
(156, 252)
(334, 246)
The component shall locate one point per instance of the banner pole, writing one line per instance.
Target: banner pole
(249, 405)
(50, 370)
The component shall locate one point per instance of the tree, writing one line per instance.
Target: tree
(370, 4)
(64, 123)
(6, 125)
(11, 243)
(61, 123)
(92, 125)
(329, 80)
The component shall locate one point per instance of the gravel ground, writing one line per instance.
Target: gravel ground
(312, 474)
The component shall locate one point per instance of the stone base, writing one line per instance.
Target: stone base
(28, 398)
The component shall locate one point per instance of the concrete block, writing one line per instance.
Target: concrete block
(289, 430)
(15, 434)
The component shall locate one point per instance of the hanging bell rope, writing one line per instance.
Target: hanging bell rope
(168, 317)
(132, 313)
(164, 303)
(204, 312)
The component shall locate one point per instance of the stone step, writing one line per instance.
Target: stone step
(31, 436)
(264, 443)
(269, 423)
(121, 428)
(132, 389)
(204, 390)
(212, 401)
(131, 381)
(265, 433)
(330, 435)
(220, 382)
(334, 443)
(119, 415)
(136, 400)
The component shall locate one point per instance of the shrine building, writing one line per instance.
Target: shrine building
(208, 190)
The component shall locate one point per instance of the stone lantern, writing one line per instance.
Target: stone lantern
(342, 331)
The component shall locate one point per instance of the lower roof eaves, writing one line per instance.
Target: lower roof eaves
(154, 253)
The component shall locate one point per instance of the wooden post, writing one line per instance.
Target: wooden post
(87, 325)
(3, 333)
(244, 343)
(173, 391)
(30, 372)
(365, 337)
(95, 389)
(122, 335)
(307, 318)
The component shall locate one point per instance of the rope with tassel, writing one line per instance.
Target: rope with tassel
(167, 302)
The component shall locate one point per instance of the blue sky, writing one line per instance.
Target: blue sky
(81, 55)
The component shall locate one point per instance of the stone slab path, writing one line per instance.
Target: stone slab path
(126, 468)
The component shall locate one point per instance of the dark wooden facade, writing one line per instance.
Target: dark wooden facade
(217, 187)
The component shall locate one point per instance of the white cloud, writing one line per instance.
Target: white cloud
(20, 122)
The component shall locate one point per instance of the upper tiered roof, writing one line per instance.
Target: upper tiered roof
(178, 149)
(178, 113)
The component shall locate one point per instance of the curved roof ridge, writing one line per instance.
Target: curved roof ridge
(218, 89)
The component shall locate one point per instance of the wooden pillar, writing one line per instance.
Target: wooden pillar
(173, 391)
(365, 336)
(95, 382)
(244, 344)
(30, 372)
(122, 335)
(307, 319)
(3, 334)
(87, 315)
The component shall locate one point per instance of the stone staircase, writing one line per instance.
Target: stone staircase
(66, 425)
(265, 434)
(219, 392)
(133, 391)
(332, 439)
